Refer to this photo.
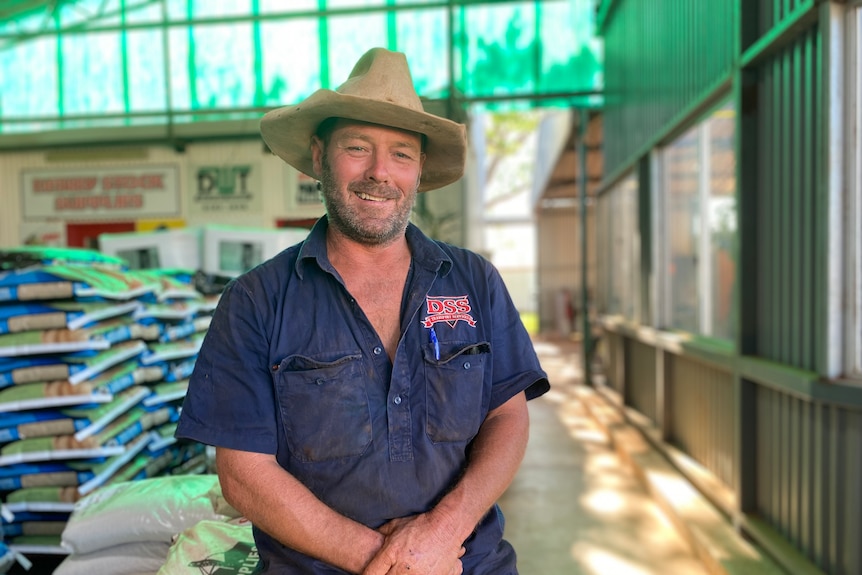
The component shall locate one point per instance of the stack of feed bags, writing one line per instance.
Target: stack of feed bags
(172, 524)
(94, 361)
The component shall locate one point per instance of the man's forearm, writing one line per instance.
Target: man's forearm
(274, 501)
(496, 454)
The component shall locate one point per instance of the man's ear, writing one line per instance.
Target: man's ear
(317, 149)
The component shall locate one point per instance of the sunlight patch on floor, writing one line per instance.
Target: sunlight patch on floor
(602, 561)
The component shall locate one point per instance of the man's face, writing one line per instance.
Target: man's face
(369, 176)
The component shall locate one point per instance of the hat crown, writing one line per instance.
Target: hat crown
(383, 75)
(380, 91)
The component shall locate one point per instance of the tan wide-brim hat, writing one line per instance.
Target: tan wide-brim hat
(379, 90)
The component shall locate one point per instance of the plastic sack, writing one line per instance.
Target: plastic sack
(221, 546)
(154, 509)
(127, 559)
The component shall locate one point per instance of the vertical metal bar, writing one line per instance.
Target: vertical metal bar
(852, 525)
(784, 254)
(806, 483)
(752, 168)
(711, 398)
(537, 46)
(818, 183)
(761, 468)
(60, 84)
(835, 467)
(782, 445)
(821, 472)
(586, 342)
(853, 279)
(755, 206)
(124, 58)
(190, 58)
(795, 455)
(645, 233)
(832, 203)
(748, 439)
(391, 27)
(323, 38)
(257, 46)
(773, 217)
(807, 179)
(775, 448)
(795, 246)
(166, 60)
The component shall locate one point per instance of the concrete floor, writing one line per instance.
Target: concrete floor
(574, 508)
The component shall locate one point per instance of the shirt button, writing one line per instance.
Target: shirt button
(378, 350)
(466, 365)
(397, 400)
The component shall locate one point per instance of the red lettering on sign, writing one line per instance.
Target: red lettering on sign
(105, 202)
(84, 184)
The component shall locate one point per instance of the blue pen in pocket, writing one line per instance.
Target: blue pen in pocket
(433, 335)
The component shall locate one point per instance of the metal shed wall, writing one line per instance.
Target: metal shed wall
(760, 415)
(662, 58)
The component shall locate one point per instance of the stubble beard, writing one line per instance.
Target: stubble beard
(351, 223)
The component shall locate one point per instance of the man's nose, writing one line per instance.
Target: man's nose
(378, 169)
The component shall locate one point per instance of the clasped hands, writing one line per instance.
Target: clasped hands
(416, 546)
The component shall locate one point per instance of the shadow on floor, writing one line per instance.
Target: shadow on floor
(574, 508)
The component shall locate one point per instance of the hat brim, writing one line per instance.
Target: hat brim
(288, 131)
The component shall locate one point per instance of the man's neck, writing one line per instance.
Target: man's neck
(343, 251)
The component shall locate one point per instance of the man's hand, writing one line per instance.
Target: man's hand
(416, 546)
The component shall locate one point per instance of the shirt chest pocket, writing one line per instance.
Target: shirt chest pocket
(324, 406)
(455, 390)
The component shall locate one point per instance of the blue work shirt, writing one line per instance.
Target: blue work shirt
(291, 366)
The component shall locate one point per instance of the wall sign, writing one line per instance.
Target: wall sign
(128, 192)
(226, 189)
(306, 191)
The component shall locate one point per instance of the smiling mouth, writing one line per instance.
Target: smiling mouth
(369, 197)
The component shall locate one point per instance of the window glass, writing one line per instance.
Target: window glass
(145, 56)
(29, 68)
(144, 12)
(621, 247)
(219, 8)
(629, 246)
(280, 6)
(180, 84)
(560, 64)
(681, 187)
(93, 56)
(721, 202)
(274, 52)
(289, 80)
(700, 227)
(602, 255)
(223, 66)
(336, 4)
(423, 35)
(178, 9)
(500, 49)
(356, 33)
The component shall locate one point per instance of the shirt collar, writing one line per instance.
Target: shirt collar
(426, 252)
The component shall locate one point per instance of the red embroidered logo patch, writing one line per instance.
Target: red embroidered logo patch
(448, 309)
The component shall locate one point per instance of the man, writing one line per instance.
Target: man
(366, 389)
